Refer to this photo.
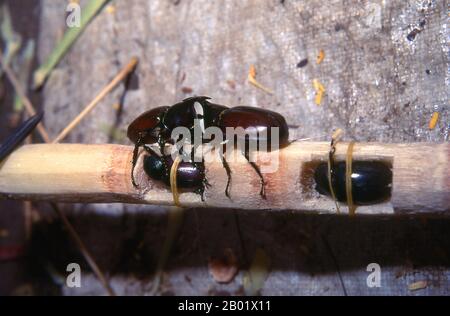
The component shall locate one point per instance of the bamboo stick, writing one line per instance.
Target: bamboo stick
(101, 173)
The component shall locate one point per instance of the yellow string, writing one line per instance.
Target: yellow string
(331, 186)
(334, 139)
(348, 179)
(173, 181)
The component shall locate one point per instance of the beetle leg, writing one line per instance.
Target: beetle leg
(228, 170)
(262, 192)
(201, 191)
(135, 155)
(206, 183)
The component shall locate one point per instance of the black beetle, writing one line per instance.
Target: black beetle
(257, 124)
(190, 175)
(156, 126)
(371, 181)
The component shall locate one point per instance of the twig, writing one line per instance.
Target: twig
(335, 262)
(86, 254)
(175, 220)
(84, 173)
(107, 89)
(21, 92)
(252, 79)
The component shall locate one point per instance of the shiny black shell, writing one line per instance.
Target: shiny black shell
(160, 121)
(189, 174)
(154, 167)
(257, 118)
(184, 113)
(371, 181)
(148, 124)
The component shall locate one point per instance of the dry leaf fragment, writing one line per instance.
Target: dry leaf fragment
(254, 279)
(252, 71)
(318, 86)
(320, 90)
(225, 268)
(186, 90)
(418, 285)
(433, 121)
(318, 97)
(252, 79)
(320, 57)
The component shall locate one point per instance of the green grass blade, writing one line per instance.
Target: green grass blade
(23, 64)
(11, 39)
(87, 14)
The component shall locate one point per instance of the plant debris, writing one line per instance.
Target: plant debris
(186, 90)
(254, 279)
(320, 90)
(224, 268)
(433, 121)
(123, 74)
(320, 56)
(252, 79)
(419, 285)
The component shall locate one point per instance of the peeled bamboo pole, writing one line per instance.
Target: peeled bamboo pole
(101, 173)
